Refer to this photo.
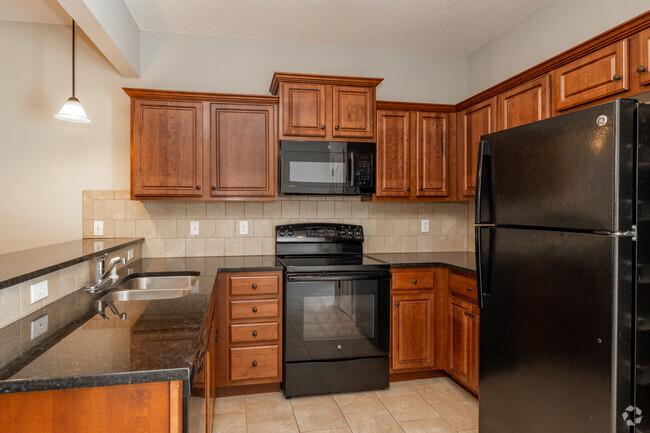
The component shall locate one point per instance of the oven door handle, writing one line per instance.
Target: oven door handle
(338, 277)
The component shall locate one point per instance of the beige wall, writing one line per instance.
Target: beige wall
(388, 227)
(552, 29)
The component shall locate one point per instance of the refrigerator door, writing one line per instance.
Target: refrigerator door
(556, 334)
(574, 171)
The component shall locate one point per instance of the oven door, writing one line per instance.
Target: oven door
(336, 316)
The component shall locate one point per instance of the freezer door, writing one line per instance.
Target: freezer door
(574, 171)
(555, 344)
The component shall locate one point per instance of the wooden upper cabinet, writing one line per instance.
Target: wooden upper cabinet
(643, 68)
(525, 104)
(412, 332)
(353, 110)
(326, 107)
(302, 112)
(432, 177)
(594, 76)
(393, 154)
(474, 122)
(242, 150)
(166, 148)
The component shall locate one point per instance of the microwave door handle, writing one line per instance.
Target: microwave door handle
(351, 168)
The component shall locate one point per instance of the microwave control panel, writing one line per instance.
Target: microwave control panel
(364, 170)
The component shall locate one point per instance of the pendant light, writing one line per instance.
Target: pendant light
(72, 111)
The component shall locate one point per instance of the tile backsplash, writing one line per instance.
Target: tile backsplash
(388, 227)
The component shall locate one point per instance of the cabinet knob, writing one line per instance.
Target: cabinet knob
(616, 77)
(254, 309)
(397, 304)
(641, 69)
(466, 313)
(254, 363)
(336, 127)
(408, 188)
(420, 188)
(469, 288)
(254, 333)
(415, 281)
(216, 338)
(198, 187)
(322, 127)
(214, 187)
(216, 331)
(254, 286)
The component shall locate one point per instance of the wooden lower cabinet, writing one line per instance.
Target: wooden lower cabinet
(144, 407)
(412, 331)
(463, 341)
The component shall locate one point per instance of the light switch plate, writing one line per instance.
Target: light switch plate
(243, 227)
(39, 326)
(98, 228)
(425, 226)
(194, 228)
(39, 291)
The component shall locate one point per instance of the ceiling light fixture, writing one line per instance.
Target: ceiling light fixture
(72, 111)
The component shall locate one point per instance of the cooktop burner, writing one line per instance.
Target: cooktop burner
(325, 263)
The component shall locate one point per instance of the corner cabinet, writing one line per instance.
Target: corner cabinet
(326, 107)
(202, 146)
(524, 104)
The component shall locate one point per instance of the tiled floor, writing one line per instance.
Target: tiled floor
(421, 406)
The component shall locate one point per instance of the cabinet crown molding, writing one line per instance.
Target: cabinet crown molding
(279, 77)
(199, 96)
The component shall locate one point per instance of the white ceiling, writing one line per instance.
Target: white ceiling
(435, 26)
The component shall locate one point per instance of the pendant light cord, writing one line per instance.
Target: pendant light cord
(73, 50)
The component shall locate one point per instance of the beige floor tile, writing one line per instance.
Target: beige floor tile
(358, 402)
(229, 406)
(461, 416)
(399, 389)
(312, 400)
(273, 427)
(437, 425)
(409, 408)
(440, 392)
(321, 415)
(334, 430)
(469, 431)
(373, 422)
(229, 423)
(267, 410)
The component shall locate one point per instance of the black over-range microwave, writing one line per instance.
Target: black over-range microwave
(327, 167)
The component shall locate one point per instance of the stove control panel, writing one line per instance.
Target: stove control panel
(319, 232)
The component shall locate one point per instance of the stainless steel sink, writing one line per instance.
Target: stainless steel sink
(148, 288)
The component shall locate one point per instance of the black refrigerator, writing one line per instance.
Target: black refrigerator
(563, 268)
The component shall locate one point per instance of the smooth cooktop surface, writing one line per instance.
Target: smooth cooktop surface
(324, 263)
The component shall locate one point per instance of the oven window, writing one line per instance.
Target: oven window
(335, 320)
(316, 172)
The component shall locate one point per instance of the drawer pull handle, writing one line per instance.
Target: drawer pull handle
(254, 333)
(469, 289)
(641, 69)
(616, 77)
(254, 309)
(254, 286)
(254, 363)
(415, 281)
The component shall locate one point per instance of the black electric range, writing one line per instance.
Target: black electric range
(336, 310)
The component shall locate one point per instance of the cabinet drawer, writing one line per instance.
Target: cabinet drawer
(256, 309)
(254, 285)
(251, 363)
(463, 286)
(254, 332)
(413, 280)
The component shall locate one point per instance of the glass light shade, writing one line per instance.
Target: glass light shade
(72, 111)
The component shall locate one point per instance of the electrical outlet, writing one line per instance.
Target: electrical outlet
(98, 228)
(243, 227)
(39, 291)
(425, 226)
(98, 245)
(39, 326)
(194, 228)
(129, 255)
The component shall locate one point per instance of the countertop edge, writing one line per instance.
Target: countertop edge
(67, 263)
(434, 265)
(252, 269)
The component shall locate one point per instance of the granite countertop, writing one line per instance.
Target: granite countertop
(27, 264)
(461, 261)
(158, 340)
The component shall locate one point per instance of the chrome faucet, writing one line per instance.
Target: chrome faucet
(110, 274)
(101, 307)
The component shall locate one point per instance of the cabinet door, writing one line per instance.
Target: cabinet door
(643, 68)
(599, 74)
(432, 155)
(166, 143)
(525, 104)
(393, 154)
(302, 111)
(473, 123)
(353, 112)
(460, 330)
(412, 331)
(242, 150)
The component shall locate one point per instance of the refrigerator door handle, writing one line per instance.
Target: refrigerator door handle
(483, 287)
(485, 150)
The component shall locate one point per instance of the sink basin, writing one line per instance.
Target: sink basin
(149, 288)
